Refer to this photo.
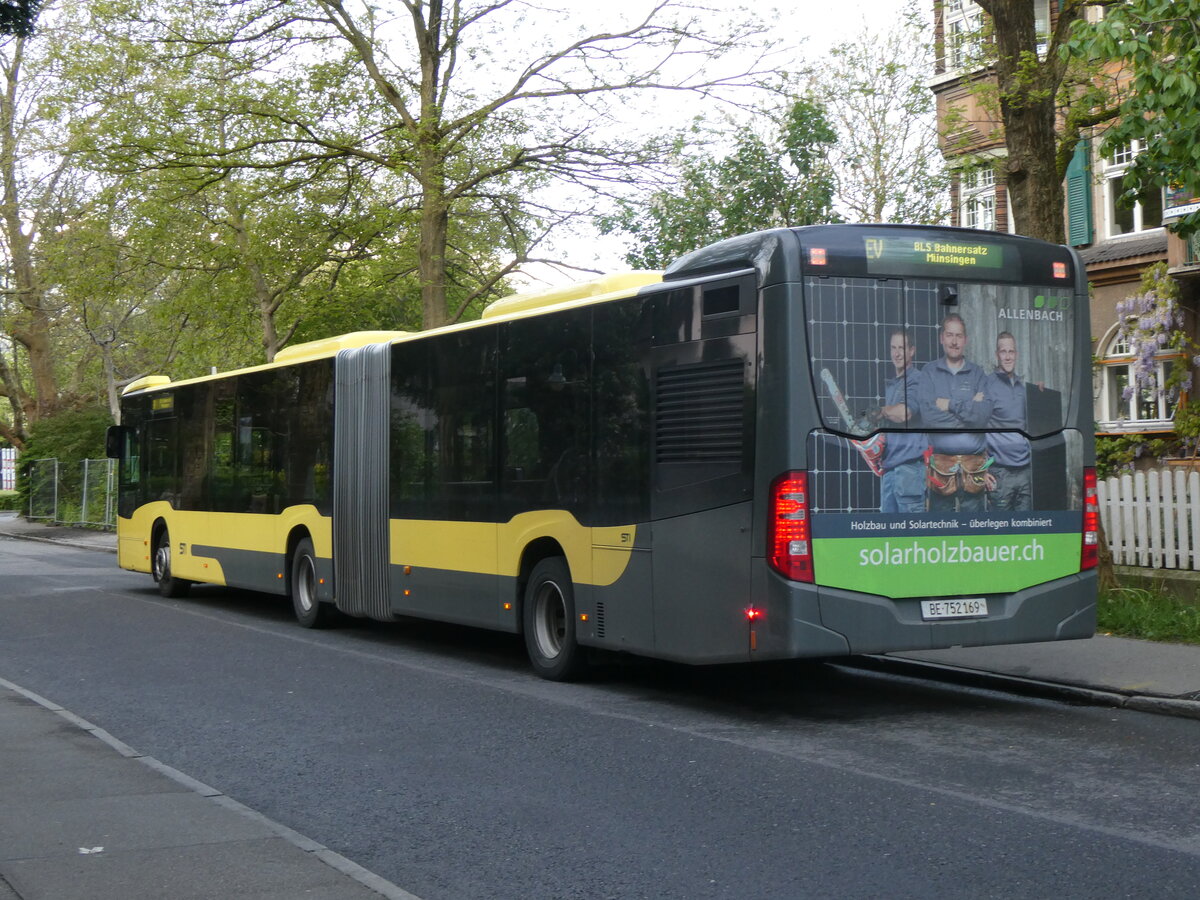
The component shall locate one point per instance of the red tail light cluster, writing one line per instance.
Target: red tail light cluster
(1090, 555)
(789, 531)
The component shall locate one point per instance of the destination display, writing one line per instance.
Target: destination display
(932, 257)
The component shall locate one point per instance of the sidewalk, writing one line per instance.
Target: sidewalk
(13, 525)
(83, 821)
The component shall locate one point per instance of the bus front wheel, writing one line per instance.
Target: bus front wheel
(168, 584)
(310, 612)
(548, 615)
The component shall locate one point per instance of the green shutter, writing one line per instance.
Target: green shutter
(1079, 196)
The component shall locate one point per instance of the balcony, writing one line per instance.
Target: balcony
(1183, 256)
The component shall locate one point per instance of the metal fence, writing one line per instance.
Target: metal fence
(82, 493)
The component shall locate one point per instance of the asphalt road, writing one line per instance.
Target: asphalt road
(433, 757)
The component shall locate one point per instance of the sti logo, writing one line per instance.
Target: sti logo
(1041, 302)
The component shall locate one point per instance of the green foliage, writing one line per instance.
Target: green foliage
(1159, 42)
(1151, 615)
(782, 179)
(10, 500)
(1117, 453)
(70, 437)
(18, 16)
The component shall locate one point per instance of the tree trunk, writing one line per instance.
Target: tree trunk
(435, 217)
(30, 325)
(1028, 86)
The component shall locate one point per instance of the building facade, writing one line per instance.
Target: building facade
(1117, 242)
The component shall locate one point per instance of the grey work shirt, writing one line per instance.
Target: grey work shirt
(1007, 393)
(965, 412)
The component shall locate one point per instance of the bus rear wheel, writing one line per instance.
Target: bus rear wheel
(548, 615)
(168, 584)
(310, 612)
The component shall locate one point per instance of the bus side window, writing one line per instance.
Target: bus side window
(130, 456)
(728, 307)
(224, 471)
(547, 429)
(161, 452)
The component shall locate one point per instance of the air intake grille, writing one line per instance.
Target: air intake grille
(600, 619)
(700, 414)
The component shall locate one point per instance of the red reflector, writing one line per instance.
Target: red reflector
(789, 530)
(1060, 270)
(816, 256)
(1089, 556)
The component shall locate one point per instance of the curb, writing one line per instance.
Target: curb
(67, 542)
(1028, 687)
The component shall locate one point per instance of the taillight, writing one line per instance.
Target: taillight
(1090, 554)
(789, 532)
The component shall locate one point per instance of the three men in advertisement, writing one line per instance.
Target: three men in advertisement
(975, 458)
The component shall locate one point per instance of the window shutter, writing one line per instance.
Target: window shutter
(1079, 196)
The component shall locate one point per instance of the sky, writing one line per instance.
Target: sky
(807, 27)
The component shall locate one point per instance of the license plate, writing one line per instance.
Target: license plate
(954, 609)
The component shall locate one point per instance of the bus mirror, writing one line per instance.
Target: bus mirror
(114, 441)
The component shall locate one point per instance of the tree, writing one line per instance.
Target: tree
(773, 180)
(17, 17)
(875, 92)
(471, 132)
(37, 184)
(262, 238)
(1043, 106)
(1158, 42)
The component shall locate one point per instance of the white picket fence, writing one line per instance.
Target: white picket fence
(1153, 518)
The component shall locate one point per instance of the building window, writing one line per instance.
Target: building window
(1121, 218)
(977, 199)
(963, 24)
(1041, 25)
(1120, 406)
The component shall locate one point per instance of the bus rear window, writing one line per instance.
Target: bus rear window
(920, 355)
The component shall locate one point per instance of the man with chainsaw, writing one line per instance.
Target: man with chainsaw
(952, 395)
(902, 487)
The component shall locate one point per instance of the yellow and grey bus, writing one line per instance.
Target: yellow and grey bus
(807, 442)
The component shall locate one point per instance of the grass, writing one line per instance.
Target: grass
(1149, 615)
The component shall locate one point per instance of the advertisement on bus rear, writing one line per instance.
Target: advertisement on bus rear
(943, 457)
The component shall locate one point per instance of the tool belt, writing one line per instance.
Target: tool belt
(947, 473)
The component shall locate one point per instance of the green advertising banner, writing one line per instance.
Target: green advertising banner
(944, 565)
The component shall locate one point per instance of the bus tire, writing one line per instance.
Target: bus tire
(310, 612)
(168, 584)
(548, 617)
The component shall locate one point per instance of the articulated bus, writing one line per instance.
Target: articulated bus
(807, 442)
